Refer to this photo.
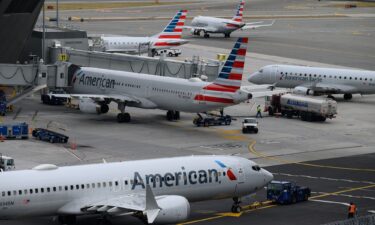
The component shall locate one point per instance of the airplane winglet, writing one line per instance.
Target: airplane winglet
(152, 209)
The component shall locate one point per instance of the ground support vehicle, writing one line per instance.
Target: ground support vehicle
(285, 192)
(49, 135)
(6, 163)
(169, 52)
(250, 125)
(14, 130)
(305, 107)
(51, 99)
(206, 121)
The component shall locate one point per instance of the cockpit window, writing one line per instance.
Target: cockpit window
(256, 168)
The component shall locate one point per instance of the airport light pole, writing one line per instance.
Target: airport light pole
(57, 13)
(43, 32)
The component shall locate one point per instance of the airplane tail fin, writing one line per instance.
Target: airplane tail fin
(174, 28)
(239, 12)
(230, 75)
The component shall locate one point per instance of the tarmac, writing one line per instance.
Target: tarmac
(334, 158)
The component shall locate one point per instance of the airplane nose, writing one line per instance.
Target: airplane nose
(253, 78)
(268, 177)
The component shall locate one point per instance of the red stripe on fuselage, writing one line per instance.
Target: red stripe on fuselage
(170, 36)
(221, 88)
(166, 44)
(213, 99)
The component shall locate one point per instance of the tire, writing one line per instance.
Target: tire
(305, 197)
(205, 124)
(256, 131)
(52, 140)
(170, 54)
(244, 130)
(176, 55)
(270, 111)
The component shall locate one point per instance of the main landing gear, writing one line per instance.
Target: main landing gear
(236, 208)
(173, 115)
(122, 117)
(227, 35)
(348, 96)
(206, 35)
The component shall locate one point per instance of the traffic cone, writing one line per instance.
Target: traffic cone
(73, 145)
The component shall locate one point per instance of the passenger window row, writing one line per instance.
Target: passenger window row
(327, 76)
(172, 91)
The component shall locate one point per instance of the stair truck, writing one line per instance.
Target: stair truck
(305, 107)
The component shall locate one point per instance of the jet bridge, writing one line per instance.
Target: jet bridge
(138, 64)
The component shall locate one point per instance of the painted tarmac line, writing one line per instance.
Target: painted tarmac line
(252, 150)
(330, 202)
(325, 178)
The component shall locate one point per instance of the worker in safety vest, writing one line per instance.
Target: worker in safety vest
(352, 210)
(259, 112)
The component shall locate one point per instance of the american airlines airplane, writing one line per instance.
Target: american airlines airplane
(96, 88)
(316, 80)
(169, 37)
(209, 25)
(156, 191)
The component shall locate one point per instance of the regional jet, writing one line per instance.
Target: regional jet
(317, 80)
(156, 190)
(96, 88)
(209, 25)
(169, 37)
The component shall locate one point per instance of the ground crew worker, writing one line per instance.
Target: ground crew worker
(352, 210)
(259, 112)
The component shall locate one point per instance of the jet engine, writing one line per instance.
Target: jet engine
(87, 105)
(174, 209)
(303, 91)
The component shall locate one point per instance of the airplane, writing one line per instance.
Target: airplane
(317, 80)
(209, 25)
(169, 37)
(96, 88)
(154, 190)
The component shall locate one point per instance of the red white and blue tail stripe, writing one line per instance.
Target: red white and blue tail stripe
(173, 31)
(230, 76)
(239, 12)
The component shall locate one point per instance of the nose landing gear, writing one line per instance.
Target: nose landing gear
(173, 115)
(236, 208)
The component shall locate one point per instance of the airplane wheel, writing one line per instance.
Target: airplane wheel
(206, 35)
(176, 115)
(123, 117)
(236, 209)
(348, 96)
(170, 115)
(67, 220)
(227, 35)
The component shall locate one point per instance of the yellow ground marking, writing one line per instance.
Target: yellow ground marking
(252, 150)
(105, 5)
(268, 205)
(343, 191)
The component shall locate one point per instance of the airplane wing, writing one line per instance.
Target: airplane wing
(142, 201)
(256, 25)
(207, 29)
(98, 98)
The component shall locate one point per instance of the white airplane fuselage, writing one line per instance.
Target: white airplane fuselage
(216, 25)
(66, 190)
(138, 44)
(290, 76)
(155, 91)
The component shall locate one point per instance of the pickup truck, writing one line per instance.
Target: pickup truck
(169, 52)
(250, 125)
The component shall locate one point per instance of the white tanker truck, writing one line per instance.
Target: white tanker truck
(305, 107)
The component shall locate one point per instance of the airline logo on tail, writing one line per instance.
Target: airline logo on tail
(230, 76)
(239, 12)
(230, 174)
(173, 30)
